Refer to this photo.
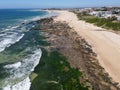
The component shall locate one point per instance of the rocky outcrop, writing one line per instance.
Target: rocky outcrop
(79, 53)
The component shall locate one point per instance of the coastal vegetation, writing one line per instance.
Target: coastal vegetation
(55, 73)
(109, 23)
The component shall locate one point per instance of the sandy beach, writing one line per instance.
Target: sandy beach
(106, 44)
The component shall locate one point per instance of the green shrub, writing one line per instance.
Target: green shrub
(102, 22)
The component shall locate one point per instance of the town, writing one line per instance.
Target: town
(102, 12)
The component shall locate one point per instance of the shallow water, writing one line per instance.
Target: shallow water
(19, 47)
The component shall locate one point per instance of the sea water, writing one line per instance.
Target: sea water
(19, 47)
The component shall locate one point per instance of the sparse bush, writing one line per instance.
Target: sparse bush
(102, 22)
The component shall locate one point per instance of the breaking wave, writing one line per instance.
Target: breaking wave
(20, 71)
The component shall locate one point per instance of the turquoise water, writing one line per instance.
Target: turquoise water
(11, 17)
(12, 27)
(19, 47)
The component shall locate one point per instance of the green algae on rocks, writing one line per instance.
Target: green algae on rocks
(55, 73)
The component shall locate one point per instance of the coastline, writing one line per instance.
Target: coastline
(68, 42)
(85, 55)
(64, 34)
(106, 44)
(54, 70)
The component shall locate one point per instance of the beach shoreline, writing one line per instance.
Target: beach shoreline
(106, 44)
(78, 51)
(67, 75)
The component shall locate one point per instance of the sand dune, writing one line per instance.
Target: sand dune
(106, 44)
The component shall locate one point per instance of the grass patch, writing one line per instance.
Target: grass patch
(55, 73)
(102, 22)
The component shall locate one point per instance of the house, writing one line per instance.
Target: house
(98, 13)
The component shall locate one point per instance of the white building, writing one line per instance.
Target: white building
(98, 13)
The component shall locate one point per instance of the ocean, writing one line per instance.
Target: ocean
(19, 47)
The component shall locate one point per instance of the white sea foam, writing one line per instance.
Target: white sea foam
(27, 65)
(20, 70)
(23, 85)
(11, 28)
(36, 18)
(19, 37)
(15, 65)
(9, 37)
(8, 40)
(7, 29)
(15, 27)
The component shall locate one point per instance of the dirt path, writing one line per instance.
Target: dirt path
(105, 44)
